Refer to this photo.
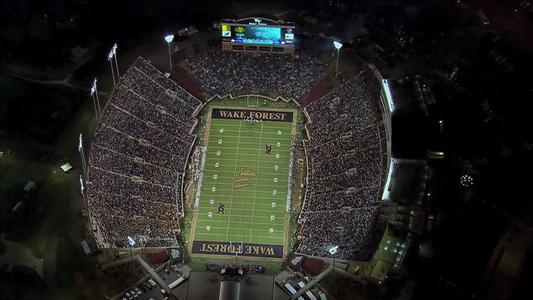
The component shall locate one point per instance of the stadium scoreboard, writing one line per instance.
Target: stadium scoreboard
(257, 35)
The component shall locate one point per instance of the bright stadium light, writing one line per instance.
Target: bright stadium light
(110, 59)
(466, 181)
(82, 188)
(110, 55)
(82, 155)
(333, 250)
(115, 46)
(113, 54)
(93, 87)
(169, 38)
(131, 242)
(94, 95)
(338, 46)
(80, 143)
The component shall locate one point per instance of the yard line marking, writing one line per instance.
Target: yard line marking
(269, 198)
(226, 190)
(238, 235)
(241, 148)
(233, 188)
(258, 223)
(256, 174)
(265, 173)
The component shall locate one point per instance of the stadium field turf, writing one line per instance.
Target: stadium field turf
(244, 186)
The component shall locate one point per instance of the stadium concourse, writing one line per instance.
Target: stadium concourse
(143, 141)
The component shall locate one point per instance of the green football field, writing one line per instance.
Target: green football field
(243, 189)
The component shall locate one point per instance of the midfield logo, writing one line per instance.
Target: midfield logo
(243, 178)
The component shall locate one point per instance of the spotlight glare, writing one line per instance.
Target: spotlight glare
(169, 38)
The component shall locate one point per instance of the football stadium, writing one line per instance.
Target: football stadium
(265, 150)
(243, 157)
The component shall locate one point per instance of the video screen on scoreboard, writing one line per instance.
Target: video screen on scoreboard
(265, 35)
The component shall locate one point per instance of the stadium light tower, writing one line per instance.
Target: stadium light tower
(96, 100)
(169, 38)
(114, 49)
(82, 154)
(82, 192)
(338, 46)
(131, 243)
(113, 54)
(110, 60)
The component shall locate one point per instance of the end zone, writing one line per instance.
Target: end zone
(242, 249)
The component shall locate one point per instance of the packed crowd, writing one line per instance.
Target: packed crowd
(349, 229)
(230, 268)
(138, 157)
(144, 137)
(223, 72)
(345, 167)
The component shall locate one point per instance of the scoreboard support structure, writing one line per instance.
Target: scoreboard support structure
(257, 35)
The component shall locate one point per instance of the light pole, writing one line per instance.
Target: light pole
(113, 54)
(96, 100)
(85, 202)
(110, 59)
(80, 149)
(338, 46)
(114, 49)
(131, 242)
(82, 191)
(169, 38)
